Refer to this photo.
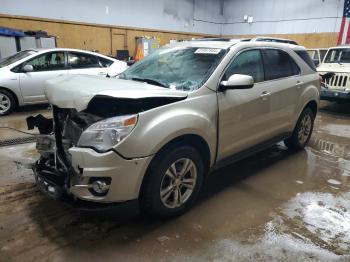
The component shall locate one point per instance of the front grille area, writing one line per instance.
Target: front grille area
(338, 81)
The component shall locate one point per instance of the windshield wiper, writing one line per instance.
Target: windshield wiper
(150, 81)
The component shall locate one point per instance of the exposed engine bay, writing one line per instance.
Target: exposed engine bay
(54, 172)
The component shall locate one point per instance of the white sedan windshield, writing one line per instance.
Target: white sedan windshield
(178, 68)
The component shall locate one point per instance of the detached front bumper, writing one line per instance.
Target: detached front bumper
(334, 95)
(125, 176)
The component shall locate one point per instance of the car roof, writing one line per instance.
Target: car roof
(276, 38)
(236, 40)
(228, 44)
(44, 50)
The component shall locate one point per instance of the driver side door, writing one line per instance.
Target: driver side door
(244, 113)
(45, 67)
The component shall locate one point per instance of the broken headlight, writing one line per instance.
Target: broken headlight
(105, 134)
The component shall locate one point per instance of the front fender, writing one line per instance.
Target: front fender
(157, 127)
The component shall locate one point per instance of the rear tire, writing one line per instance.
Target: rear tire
(302, 131)
(172, 182)
(7, 102)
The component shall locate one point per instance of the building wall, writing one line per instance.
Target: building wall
(198, 16)
(104, 38)
(282, 17)
(108, 25)
(312, 23)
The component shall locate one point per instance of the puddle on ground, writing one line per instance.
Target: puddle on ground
(278, 205)
(336, 129)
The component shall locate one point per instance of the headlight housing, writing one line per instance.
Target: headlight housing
(105, 134)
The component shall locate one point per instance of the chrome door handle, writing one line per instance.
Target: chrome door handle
(102, 73)
(264, 95)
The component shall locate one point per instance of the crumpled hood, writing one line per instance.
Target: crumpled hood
(333, 67)
(76, 91)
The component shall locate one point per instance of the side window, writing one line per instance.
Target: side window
(307, 59)
(278, 64)
(47, 62)
(81, 60)
(105, 62)
(247, 63)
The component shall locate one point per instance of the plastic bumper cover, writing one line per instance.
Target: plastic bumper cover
(126, 175)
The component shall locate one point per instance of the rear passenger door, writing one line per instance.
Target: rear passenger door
(86, 64)
(282, 75)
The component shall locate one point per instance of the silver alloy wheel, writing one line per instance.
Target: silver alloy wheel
(304, 129)
(178, 183)
(5, 103)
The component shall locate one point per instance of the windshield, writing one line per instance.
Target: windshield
(16, 57)
(338, 55)
(181, 68)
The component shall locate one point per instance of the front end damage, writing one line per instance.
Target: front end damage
(68, 171)
(54, 172)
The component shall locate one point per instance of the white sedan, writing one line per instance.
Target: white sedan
(23, 75)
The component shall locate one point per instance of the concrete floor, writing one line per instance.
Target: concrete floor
(274, 206)
(17, 120)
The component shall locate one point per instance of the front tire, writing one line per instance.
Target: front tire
(172, 183)
(302, 131)
(7, 103)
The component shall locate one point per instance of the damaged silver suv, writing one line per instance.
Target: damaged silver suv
(154, 133)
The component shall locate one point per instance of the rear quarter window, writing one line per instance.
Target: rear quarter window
(278, 64)
(307, 59)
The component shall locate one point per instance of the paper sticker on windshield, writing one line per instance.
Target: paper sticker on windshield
(211, 51)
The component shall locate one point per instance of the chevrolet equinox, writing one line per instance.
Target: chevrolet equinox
(154, 132)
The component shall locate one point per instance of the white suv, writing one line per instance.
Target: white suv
(23, 75)
(336, 65)
(154, 133)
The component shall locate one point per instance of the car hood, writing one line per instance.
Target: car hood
(334, 67)
(76, 91)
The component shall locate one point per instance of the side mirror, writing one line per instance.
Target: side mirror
(27, 68)
(237, 81)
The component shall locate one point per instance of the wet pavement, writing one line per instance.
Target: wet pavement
(17, 120)
(275, 206)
